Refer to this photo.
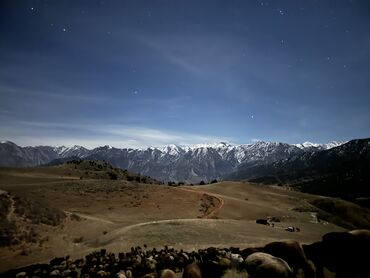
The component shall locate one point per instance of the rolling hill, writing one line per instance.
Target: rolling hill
(343, 171)
(51, 211)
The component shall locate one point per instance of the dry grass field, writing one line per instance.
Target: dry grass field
(51, 211)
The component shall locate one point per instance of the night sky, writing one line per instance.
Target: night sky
(141, 73)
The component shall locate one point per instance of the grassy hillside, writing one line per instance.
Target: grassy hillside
(339, 172)
(56, 213)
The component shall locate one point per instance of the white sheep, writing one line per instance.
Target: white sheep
(262, 265)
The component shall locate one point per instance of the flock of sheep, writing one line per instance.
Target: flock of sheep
(344, 253)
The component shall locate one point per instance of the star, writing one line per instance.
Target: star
(281, 12)
(252, 116)
(32, 8)
(136, 92)
(64, 29)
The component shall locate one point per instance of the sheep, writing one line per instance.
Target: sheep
(262, 265)
(231, 260)
(363, 234)
(54, 273)
(129, 273)
(250, 250)
(121, 274)
(341, 253)
(292, 252)
(192, 271)
(168, 273)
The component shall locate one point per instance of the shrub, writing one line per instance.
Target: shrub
(78, 239)
(75, 217)
(38, 212)
(112, 175)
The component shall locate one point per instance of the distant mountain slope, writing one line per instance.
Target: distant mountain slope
(190, 164)
(342, 171)
(14, 155)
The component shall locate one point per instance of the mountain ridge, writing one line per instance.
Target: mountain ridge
(342, 171)
(191, 163)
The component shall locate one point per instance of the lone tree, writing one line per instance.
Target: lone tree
(202, 183)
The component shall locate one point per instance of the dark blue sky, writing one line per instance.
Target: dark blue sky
(139, 73)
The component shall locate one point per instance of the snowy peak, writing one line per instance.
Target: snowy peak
(221, 145)
(172, 150)
(8, 143)
(76, 150)
(333, 144)
(309, 145)
(60, 149)
(306, 145)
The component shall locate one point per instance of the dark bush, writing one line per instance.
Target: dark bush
(38, 212)
(112, 175)
(78, 239)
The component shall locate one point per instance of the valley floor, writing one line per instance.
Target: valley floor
(117, 215)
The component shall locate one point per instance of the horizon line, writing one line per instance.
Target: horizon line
(198, 145)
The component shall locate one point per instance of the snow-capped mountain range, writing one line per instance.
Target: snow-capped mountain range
(168, 163)
(343, 171)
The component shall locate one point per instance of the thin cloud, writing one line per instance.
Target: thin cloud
(64, 95)
(94, 135)
(169, 56)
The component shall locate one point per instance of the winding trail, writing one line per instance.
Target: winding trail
(207, 216)
(212, 212)
(175, 220)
